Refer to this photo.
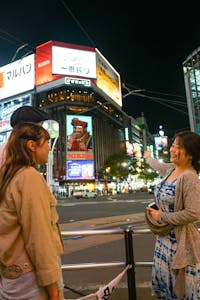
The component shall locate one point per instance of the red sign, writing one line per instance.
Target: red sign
(81, 156)
(44, 60)
(44, 64)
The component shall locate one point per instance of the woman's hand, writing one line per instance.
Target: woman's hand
(52, 291)
(147, 154)
(154, 213)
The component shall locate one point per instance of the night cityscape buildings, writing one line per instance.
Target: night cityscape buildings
(191, 69)
(79, 89)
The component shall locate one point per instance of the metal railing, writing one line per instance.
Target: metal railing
(128, 239)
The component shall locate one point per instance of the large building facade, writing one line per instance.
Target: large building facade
(79, 89)
(191, 69)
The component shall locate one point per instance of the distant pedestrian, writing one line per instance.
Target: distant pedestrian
(30, 238)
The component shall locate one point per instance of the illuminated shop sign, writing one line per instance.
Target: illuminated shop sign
(129, 148)
(74, 62)
(4, 136)
(80, 169)
(77, 81)
(8, 107)
(43, 64)
(161, 142)
(79, 137)
(17, 77)
(108, 80)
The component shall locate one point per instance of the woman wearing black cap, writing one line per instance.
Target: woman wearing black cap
(30, 238)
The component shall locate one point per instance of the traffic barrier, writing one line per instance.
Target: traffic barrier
(129, 264)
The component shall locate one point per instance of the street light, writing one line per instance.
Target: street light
(17, 51)
(52, 127)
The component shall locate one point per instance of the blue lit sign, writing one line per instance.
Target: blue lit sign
(80, 169)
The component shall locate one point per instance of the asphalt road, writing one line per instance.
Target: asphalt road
(73, 210)
(119, 211)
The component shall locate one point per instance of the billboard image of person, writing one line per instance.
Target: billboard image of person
(80, 139)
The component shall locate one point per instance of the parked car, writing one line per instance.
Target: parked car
(78, 194)
(84, 194)
(89, 194)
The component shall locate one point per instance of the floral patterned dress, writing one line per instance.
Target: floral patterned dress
(163, 277)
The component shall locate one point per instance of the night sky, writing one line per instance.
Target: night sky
(145, 41)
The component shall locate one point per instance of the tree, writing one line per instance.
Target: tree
(118, 166)
(146, 173)
(121, 165)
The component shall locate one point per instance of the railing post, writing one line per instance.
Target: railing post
(130, 261)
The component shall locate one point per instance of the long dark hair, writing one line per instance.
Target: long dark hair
(190, 141)
(17, 153)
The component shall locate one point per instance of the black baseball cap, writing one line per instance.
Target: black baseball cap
(28, 114)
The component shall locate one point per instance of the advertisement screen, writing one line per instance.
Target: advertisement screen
(79, 137)
(74, 62)
(129, 148)
(158, 143)
(17, 77)
(8, 107)
(80, 169)
(4, 136)
(161, 142)
(198, 129)
(108, 80)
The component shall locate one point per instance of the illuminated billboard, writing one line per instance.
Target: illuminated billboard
(55, 60)
(129, 148)
(17, 77)
(79, 137)
(108, 80)
(80, 169)
(161, 142)
(8, 107)
(43, 65)
(73, 62)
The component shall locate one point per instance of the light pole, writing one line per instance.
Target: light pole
(52, 127)
(17, 51)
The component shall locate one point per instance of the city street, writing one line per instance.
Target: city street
(108, 212)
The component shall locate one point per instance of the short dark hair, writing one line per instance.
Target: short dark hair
(190, 141)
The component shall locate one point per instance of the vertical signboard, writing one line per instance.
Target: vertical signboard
(80, 157)
(43, 64)
(161, 142)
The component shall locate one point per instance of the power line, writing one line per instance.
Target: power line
(166, 94)
(124, 85)
(164, 104)
(13, 38)
(159, 100)
(77, 22)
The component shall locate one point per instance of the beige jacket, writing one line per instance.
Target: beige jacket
(29, 233)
